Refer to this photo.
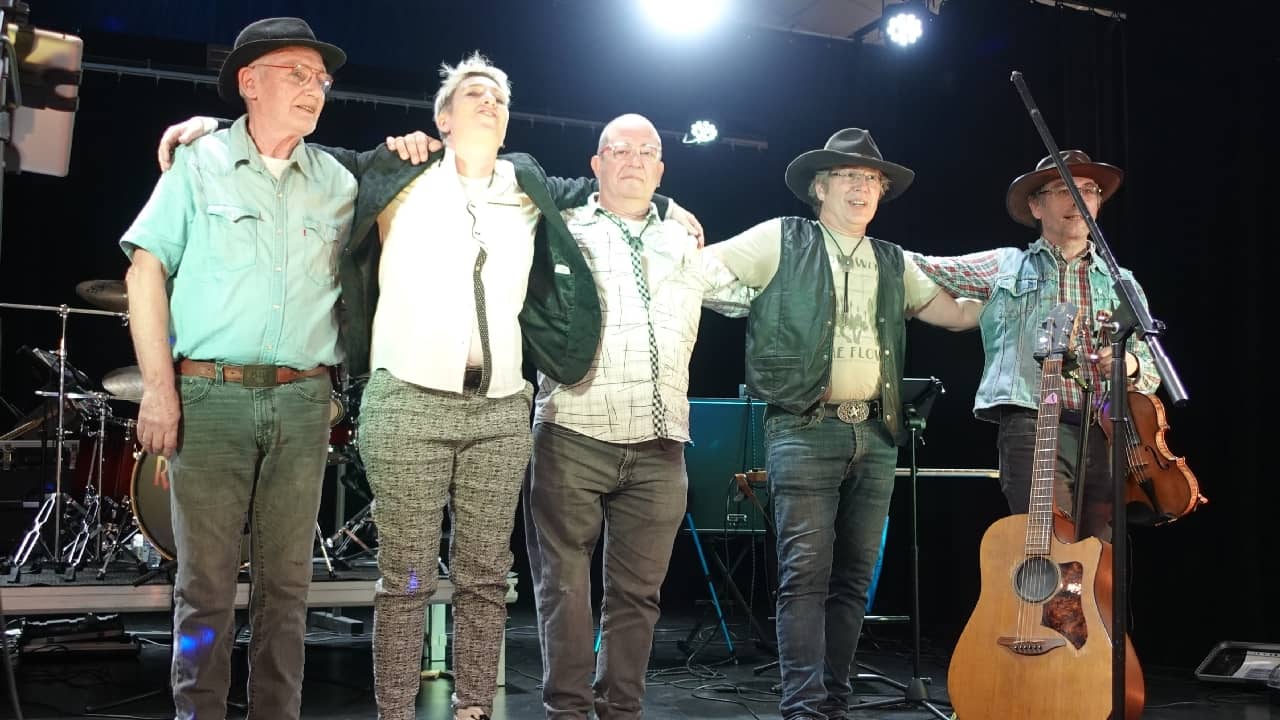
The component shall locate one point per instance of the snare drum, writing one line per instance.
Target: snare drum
(118, 449)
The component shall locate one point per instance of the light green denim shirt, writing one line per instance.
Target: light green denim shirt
(251, 260)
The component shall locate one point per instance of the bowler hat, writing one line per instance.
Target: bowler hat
(269, 34)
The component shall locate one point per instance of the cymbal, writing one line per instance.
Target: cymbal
(106, 294)
(124, 383)
(72, 394)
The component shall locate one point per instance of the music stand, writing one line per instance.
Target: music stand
(918, 395)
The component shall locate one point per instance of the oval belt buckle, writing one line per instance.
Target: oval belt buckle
(853, 411)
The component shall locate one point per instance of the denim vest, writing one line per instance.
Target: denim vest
(1025, 289)
(791, 329)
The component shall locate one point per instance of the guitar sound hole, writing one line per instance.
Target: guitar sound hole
(1036, 579)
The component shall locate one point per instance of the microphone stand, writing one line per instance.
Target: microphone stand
(1130, 317)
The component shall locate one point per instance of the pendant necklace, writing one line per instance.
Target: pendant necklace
(846, 264)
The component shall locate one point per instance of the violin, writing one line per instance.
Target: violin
(1161, 488)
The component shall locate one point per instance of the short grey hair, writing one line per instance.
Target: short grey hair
(471, 66)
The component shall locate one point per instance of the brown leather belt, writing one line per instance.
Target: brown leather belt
(250, 376)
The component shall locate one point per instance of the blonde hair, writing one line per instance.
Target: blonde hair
(471, 66)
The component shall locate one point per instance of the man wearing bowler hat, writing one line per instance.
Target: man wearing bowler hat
(1023, 284)
(825, 345)
(244, 230)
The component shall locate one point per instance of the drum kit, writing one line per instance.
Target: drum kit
(108, 500)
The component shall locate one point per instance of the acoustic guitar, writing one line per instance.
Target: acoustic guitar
(1038, 644)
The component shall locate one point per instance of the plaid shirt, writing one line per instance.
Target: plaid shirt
(614, 401)
(1080, 281)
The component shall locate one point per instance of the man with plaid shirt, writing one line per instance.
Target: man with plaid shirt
(1019, 286)
(608, 450)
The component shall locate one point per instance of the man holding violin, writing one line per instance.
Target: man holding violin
(1019, 286)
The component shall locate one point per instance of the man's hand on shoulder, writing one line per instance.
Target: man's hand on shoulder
(185, 133)
(415, 147)
(687, 219)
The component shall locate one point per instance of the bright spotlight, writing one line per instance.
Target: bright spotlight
(904, 27)
(701, 132)
(684, 17)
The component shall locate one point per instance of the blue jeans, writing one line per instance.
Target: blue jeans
(240, 450)
(636, 492)
(831, 484)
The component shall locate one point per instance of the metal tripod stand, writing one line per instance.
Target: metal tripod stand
(918, 395)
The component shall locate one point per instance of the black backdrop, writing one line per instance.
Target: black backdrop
(1165, 94)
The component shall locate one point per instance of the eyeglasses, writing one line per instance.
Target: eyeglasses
(624, 151)
(1086, 191)
(856, 176)
(302, 75)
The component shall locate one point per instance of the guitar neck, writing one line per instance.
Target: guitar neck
(1045, 463)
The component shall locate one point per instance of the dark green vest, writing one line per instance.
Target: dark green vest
(792, 326)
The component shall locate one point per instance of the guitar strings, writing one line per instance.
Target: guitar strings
(1039, 521)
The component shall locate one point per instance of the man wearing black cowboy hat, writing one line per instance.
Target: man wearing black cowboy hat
(1025, 283)
(245, 228)
(826, 340)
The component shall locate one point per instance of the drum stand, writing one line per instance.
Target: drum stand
(348, 535)
(54, 504)
(324, 552)
(91, 518)
(121, 542)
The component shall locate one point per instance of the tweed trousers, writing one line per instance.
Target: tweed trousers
(425, 451)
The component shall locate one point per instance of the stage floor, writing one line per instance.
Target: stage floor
(338, 684)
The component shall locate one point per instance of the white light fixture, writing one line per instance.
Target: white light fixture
(904, 26)
(701, 132)
(684, 17)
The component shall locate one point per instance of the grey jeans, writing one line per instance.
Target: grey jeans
(637, 493)
(424, 449)
(244, 448)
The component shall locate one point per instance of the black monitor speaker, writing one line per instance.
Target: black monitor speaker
(727, 437)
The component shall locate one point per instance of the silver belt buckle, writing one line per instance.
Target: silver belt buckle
(853, 411)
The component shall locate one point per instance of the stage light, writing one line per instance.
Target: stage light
(684, 16)
(701, 132)
(904, 26)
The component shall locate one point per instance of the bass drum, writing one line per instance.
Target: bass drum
(149, 492)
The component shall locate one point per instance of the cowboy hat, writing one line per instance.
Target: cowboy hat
(1078, 163)
(269, 34)
(851, 146)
